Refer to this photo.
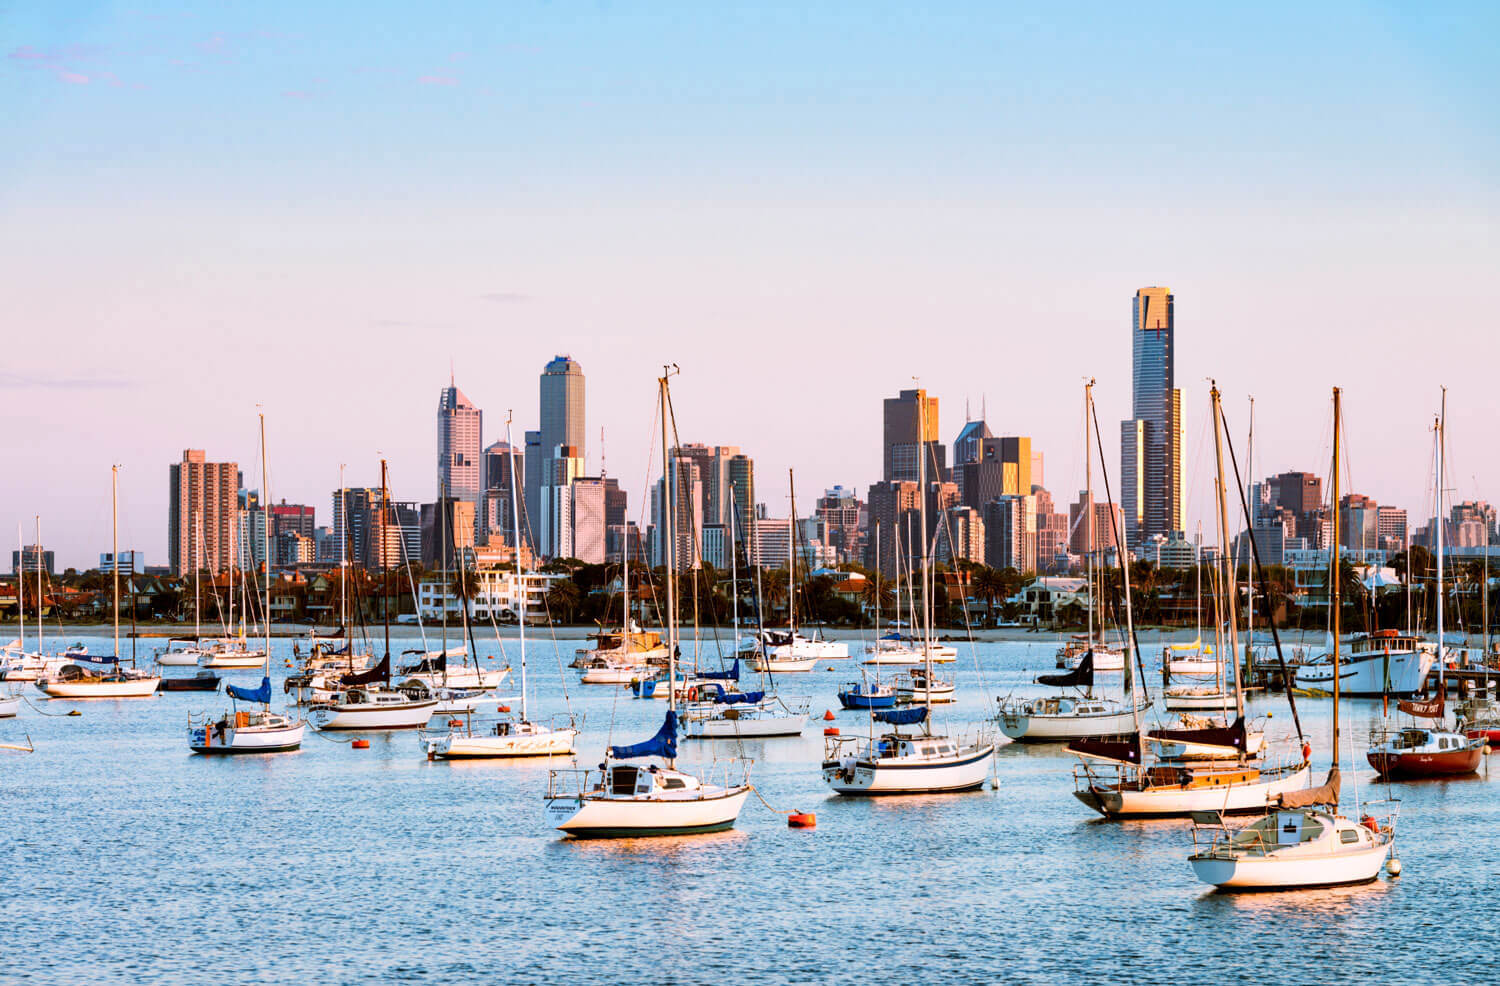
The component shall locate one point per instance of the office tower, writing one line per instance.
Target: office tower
(325, 546)
(1390, 526)
(495, 518)
(393, 533)
(562, 421)
(968, 448)
(554, 524)
(1151, 474)
(616, 502)
(716, 546)
(961, 536)
(250, 532)
(773, 542)
(1359, 518)
(202, 498)
(907, 431)
(1000, 467)
(33, 558)
(447, 530)
(532, 471)
(292, 548)
(1051, 531)
(687, 509)
(1010, 532)
(893, 509)
(589, 508)
(497, 466)
(1301, 493)
(292, 517)
(459, 429)
(1078, 526)
(131, 562)
(352, 507)
(742, 494)
(838, 509)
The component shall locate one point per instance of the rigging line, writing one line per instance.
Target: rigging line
(1265, 591)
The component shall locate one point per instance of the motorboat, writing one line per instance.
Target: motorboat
(181, 652)
(507, 738)
(1385, 662)
(1107, 657)
(791, 650)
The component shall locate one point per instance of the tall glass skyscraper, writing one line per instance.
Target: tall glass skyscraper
(460, 470)
(562, 427)
(1151, 491)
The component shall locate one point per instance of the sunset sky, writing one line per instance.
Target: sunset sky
(212, 206)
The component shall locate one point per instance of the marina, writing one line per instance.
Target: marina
(330, 814)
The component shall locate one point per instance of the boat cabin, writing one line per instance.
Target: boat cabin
(631, 780)
(1382, 642)
(1065, 706)
(896, 746)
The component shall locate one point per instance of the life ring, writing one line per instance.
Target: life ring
(693, 693)
(1306, 751)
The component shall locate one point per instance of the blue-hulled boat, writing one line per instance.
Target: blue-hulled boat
(867, 695)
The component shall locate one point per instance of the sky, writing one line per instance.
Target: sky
(316, 210)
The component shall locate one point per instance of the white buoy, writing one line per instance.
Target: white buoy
(1393, 866)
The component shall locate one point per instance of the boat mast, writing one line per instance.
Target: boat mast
(114, 547)
(1088, 497)
(515, 513)
(791, 558)
(344, 563)
(1231, 580)
(1437, 523)
(922, 523)
(21, 590)
(265, 482)
(41, 625)
(877, 587)
(1334, 578)
(670, 532)
(197, 585)
(385, 596)
(1249, 533)
(234, 512)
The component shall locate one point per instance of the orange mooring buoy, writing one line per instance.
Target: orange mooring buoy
(361, 744)
(831, 731)
(503, 708)
(801, 820)
(828, 716)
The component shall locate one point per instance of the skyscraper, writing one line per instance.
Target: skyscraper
(560, 436)
(1151, 475)
(907, 430)
(562, 420)
(460, 472)
(202, 513)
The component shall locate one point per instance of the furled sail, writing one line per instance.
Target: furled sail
(733, 674)
(1080, 677)
(1325, 794)
(261, 694)
(379, 672)
(738, 698)
(663, 744)
(1126, 750)
(903, 717)
(1231, 736)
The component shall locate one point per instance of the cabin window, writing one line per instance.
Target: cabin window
(1348, 835)
(673, 783)
(622, 780)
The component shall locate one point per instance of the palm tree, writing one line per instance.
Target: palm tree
(562, 601)
(773, 584)
(988, 583)
(876, 591)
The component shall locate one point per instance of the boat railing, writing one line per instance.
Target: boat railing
(570, 782)
(729, 771)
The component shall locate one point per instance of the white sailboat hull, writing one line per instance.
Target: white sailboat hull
(178, 659)
(10, 707)
(461, 678)
(129, 688)
(966, 771)
(716, 727)
(550, 743)
(1197, 700)
(587, 817)
(1033, 728)
(249, 739)
(1292, 872)
(784, 665)
(238, 659)
(936, 695)
(615, 675)
(406, 715)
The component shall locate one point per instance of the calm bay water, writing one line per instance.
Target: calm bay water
(128, 860)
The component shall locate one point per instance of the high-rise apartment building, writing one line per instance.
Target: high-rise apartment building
(202, 513)
(295, 517)
(742, 494)
(589, 498)
(1104, 526)
(1151, 473)
(687, 513)
(534, 465)
(838, 509)
(960, 536)
(1390, 528)
(1002, 468)
(1051, 531)
(460, 426)
(554, 527)
(1010, 532)
(893, 511)
(1359, 518)
(33, 558)
(1301, 493)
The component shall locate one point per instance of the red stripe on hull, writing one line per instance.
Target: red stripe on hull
(1443, 764)
(1490, 736)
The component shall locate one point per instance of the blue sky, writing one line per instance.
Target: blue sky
(212, 206)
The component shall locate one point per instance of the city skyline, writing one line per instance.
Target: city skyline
(771, 201)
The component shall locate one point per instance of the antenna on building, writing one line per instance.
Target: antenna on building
(602, 471)
(452, 379)
(984, 412)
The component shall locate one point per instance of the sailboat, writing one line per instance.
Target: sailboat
(715, 712)
(619, 658)
(626, 800)
(232, 651)
(1304, 842)
(1062, 718)
(921, 761)
(865, 693)
(76, 681)
(20, 664)
(1115, 778)
(367, 700)
(509, 737)
(900, 649)
(791, 650)
(251, 730)
(1434, 750)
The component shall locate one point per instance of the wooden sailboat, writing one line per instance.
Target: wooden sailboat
(76, 681)
(1117, 779)
(632, 800)
(1435, 750)
(1061, 718)
(508, 738)
(1302, 842)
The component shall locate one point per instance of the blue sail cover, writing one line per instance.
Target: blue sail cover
(733, 674)
(663, 744)
(903, 717)
(739, 698)
(261, 694)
